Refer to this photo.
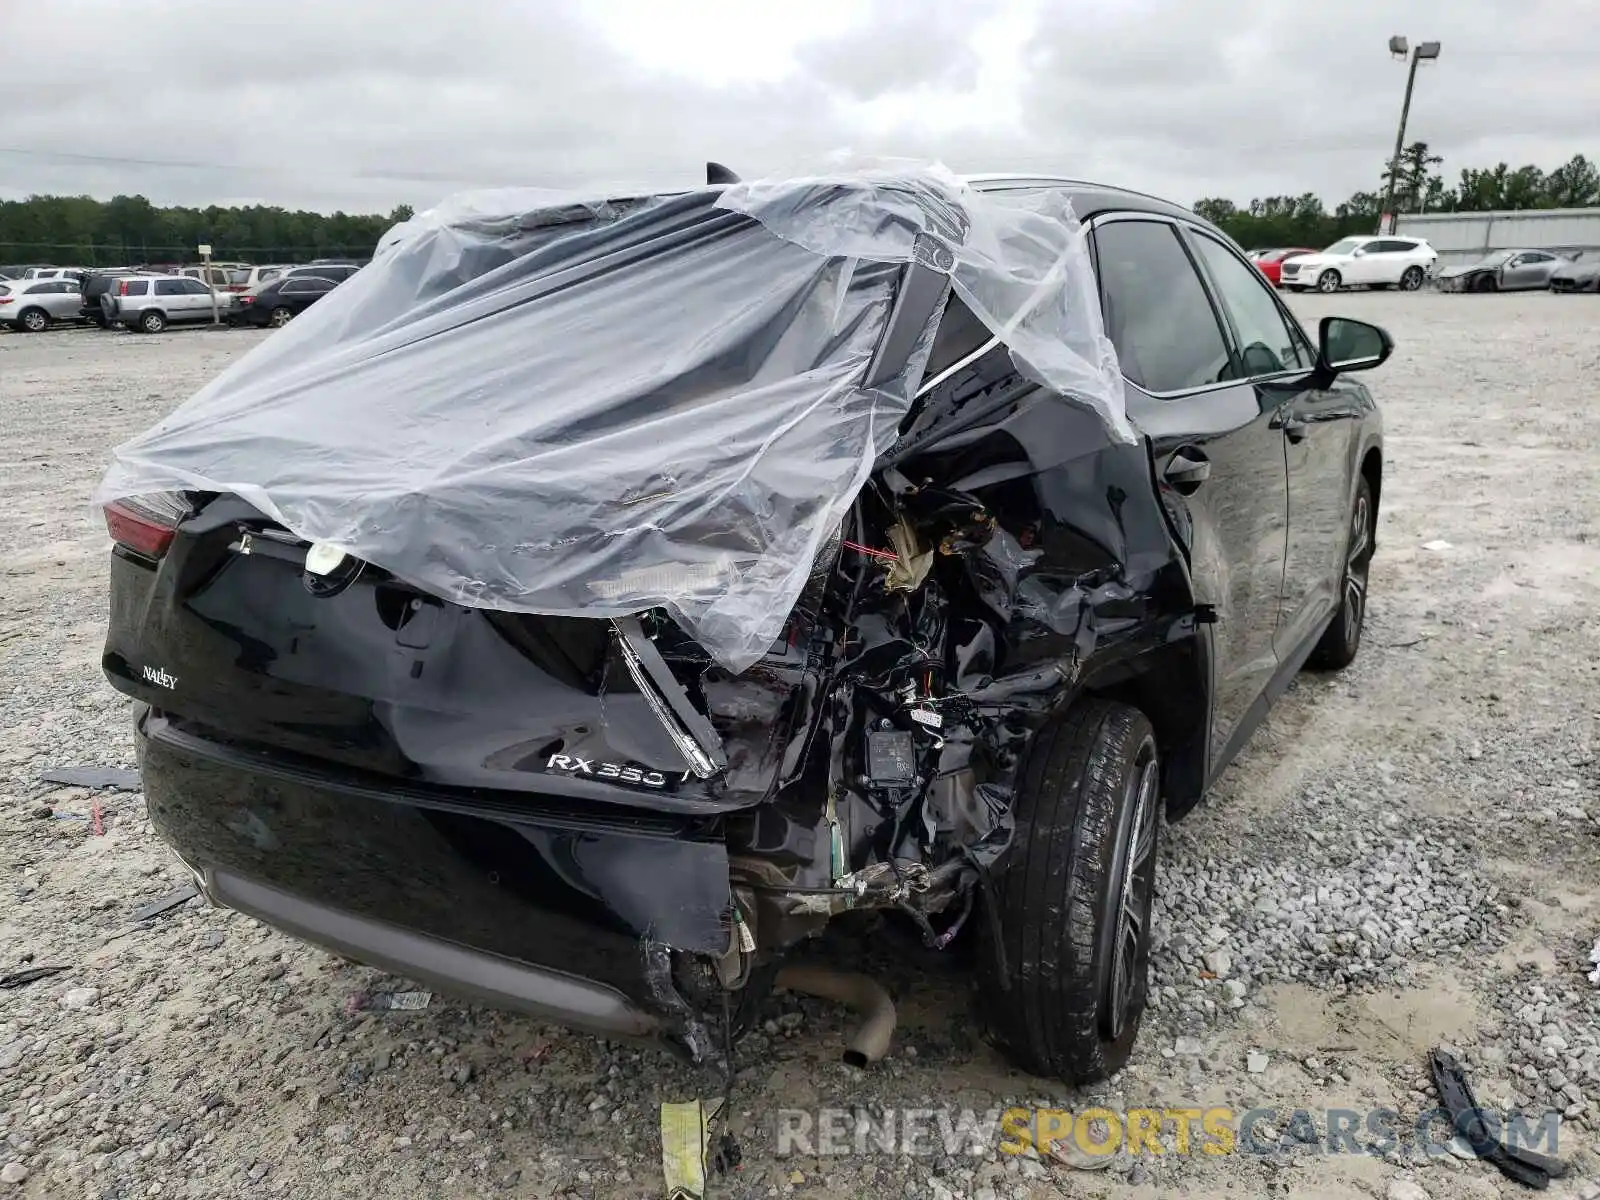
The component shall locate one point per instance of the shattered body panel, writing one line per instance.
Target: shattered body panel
(948, 520)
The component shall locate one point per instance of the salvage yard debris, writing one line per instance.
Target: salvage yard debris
(165, 904)
(388, 1002)
(16, 979)
(113, 778)
(1516, 1162)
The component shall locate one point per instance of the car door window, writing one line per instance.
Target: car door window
(1157, 313)
(1267, 344)
(169, 287)
(1537, 256)
(195, 288)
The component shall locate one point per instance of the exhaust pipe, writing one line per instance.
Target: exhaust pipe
(866, 996)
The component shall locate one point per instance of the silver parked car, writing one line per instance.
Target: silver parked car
(1503, 271)
(1580, 276)
(32, 305)
(150, 303)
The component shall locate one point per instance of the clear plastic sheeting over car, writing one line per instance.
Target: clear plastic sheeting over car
(562, 404)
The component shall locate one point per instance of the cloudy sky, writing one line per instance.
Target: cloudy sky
(363, 104)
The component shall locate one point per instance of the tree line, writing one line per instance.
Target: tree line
(1418, 187)
(80, 231)
(126, 230)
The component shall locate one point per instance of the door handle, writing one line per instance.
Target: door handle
(1186, 470)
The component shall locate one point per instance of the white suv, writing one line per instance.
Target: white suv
(1377, 262)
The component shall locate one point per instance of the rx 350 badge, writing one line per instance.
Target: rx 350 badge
(574, 765)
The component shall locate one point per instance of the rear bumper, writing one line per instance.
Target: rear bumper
(576, 921)
(486, 978)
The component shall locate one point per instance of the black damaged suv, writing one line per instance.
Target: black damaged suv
(1027, 643)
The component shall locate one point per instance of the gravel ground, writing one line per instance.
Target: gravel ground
(1406, 854)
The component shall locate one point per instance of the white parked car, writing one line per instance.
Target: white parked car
(1378, 262)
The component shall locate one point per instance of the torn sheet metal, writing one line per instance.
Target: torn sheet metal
(562, 404)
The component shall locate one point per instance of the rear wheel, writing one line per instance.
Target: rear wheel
(1343, 638)
(152, 322)
(279, 317)
(1329, 281)
(34, 320)
(1063, 990)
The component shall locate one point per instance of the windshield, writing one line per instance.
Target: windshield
(1495, 259)
(237, 277)
(1343, 246)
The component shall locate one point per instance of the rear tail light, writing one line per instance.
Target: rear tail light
(122, 287)
(146, 524)
(5, 299)
(247, 299)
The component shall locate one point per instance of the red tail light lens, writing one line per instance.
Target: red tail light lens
(146, 524)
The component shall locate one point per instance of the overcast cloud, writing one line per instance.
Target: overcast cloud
(364, 104)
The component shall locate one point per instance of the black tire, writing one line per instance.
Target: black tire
(1486, 283)
(1342, 640)
(33, 320)
(280, 316)
(1412, 279)
(152, 321)
(1056, 996)
(1329, 281)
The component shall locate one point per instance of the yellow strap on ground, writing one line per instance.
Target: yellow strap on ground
(685, 1135)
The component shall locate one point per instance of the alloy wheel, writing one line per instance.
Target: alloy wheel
(1135, 895)
(1328, 281)
(1357, 564)
(281, 317)
(34, 322)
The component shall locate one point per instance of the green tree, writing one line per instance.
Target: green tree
(1574, 184)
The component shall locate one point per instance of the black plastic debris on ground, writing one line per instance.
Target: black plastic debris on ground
(119, 779)
(1514, 1162)
(166, 903)
(27, 975)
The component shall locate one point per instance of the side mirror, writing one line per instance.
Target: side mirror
(1345, 344)
(1358, 252)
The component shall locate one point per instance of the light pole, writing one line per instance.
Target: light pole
(1425, 51)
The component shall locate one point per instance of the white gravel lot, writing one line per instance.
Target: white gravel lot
(1408, 854)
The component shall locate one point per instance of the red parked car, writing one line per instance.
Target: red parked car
(1270, 262)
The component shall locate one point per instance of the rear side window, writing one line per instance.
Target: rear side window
(1156, 310)
(195, 288)
(170, 287)
(1266, 343)
(4, 290)
(136, 287)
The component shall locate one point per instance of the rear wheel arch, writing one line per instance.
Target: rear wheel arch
(1372, 472)
(1169, 687)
